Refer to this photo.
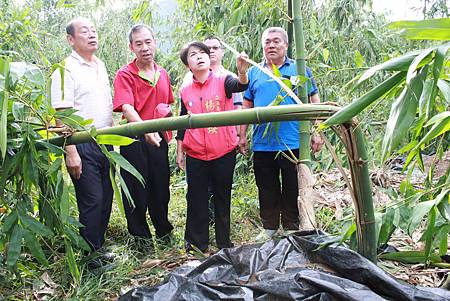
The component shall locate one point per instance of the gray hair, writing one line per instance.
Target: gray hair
(274, 29)
(139, 27)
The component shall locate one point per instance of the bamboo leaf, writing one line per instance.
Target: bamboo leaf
(442, 238)
(325, 55)
(4, 97)
(434, 29)
(410, 257)
(423, 58)
(276, 71)
(64, 204)
(438, 118)
(419, 211)
(116, 190)
(441, 124)
(76, 239)
(29, 72)
(287, 82)
(33, 245)
(387, 227)
(424, 103)
(359, 59)
(114, 140)
(403, 113)
(439, 60)
(71, 262)
(34, 225)
(56, 165)
(51, 147)
(9, 221)
(14, 246)
(357, 106)
(428, 235)
(444, 208)
(400, 63)
(123, 163)
(444, 87)
(125, 189)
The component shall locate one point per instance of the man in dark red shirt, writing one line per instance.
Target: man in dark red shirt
(140, 89)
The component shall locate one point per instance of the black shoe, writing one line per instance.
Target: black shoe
(96, 263)
(108, 256)
(193, 249)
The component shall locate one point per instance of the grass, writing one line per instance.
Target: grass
(132, 268)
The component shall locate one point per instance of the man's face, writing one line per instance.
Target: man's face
(216, 51)
(84, 39)
(275, 47)
(143, 45)
(197, 59)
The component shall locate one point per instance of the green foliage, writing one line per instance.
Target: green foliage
(343, 38)
(435, 29)
(420, 89)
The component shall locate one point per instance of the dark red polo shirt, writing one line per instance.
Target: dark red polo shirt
(130, 88)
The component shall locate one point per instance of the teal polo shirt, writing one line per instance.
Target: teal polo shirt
(262, 90)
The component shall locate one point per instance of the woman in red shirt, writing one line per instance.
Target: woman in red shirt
(210, 152)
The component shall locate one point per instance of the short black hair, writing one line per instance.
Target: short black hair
(211, 37)
(139, 27)
(184, 51)
(70, 30)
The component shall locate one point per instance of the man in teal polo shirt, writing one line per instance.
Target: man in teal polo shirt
(277, 199)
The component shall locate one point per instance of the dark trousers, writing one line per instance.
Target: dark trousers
(198, 174)
(153, 164)
(276, 198)
(94, 194)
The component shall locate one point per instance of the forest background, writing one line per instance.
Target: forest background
(344, 39)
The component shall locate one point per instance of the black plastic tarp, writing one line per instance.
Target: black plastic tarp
(291, 268)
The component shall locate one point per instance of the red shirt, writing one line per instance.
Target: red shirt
(130, 88)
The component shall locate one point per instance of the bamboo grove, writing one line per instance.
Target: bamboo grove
(396, 75)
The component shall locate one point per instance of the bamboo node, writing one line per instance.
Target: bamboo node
(362, 222)
(361, 161)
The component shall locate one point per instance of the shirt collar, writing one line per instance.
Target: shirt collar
(135, 70)
(81, 60)
(287, 61)
(199, 83)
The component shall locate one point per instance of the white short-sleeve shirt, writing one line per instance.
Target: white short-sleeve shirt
(86, 89)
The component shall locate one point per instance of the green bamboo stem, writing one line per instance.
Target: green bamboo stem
(290, 29)
(304, 127)
(350, 134)
(249, 116)
(353, 139)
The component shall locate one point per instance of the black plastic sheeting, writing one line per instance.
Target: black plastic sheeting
(291, 268)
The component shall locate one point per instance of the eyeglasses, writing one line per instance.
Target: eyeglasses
(214, 47)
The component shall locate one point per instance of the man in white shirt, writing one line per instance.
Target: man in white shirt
(86, 89)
